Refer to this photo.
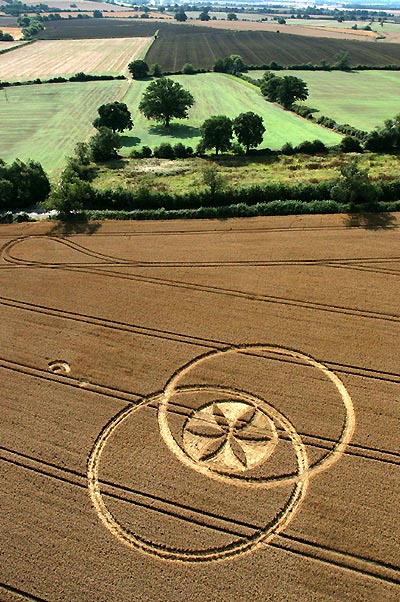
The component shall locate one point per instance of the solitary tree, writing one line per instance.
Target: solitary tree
(231, 17)
(354, 187)
(343, 61)
(180, 15)
(249, 129)
(165, 99)
(97, 14)
(284, 90)
(216, 132)
(213, 179)
(204, 16)
(114, 115)
(290, 89)
(138, 69)
(103, 144)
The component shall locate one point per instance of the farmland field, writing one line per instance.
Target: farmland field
(7, 45)
(49, 58)
(257, 48)
(60, 115)
(364, 99)
(219, 94)
(120, 487)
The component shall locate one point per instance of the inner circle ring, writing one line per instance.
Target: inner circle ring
(173, 386)
(245, 544)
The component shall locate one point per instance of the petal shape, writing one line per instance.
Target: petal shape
(219, 416)
(246, 418)
(238, 451)
(204, 428)
(213, 448)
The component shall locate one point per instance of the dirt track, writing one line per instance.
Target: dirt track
(266, 469)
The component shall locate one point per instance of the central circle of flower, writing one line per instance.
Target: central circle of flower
(229, 435)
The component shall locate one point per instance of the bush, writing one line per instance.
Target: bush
(188, 69)
(349, 144)
(164, 151)
(287, 149)
(144, 153)
(182, 152)
(311, 148)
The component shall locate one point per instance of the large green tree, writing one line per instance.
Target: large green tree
(115, 116)
(103, 144)
(216, 132)
(285, 90)
(249, 129)
(139, 69)
(165, 99)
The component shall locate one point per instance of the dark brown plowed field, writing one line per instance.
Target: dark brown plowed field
(178, 44)
(258, 48)
(203, 411)
(111, 28)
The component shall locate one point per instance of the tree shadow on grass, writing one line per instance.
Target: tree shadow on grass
(371, 221)
(74, 224)
(177, 130)
(130, 141)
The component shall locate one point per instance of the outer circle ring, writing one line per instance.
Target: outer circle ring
(240, 546)
(322, 464)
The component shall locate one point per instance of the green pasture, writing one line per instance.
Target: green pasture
(218, 94)
(363, 99)
(44, 122)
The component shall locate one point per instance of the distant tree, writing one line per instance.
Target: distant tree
(291, 89)
(29, 184)
(213, 179)
(281, 21)
(69, 196)
(216, 132)
(114, 115)
(156, 70)
(249, 129)
(285, 90)
(354, 187)
(232, 64)
(349, 144)
(97, 14)
(165, 99)
(343, 61)
(231, 17)
(204, 16)
(103, 144)
(188, 69)
(138, 69)
(180, 15)
(5, 37)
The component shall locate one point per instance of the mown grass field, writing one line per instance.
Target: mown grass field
(219, 94)
(364, 99)
(49, 58)
(61, 115)
(44, 122)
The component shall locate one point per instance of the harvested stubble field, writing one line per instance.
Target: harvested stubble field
(365, 99)
(49, 58)
(256, 472)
